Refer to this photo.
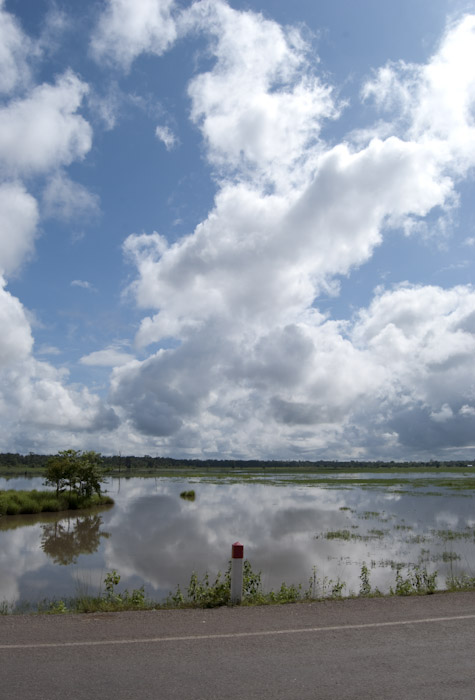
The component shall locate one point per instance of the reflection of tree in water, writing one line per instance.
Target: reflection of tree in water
(64, 540)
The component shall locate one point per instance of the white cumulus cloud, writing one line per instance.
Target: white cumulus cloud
(256, 369)
(109, 357)
(127, 28)
(18, 222)
(44, 130)
(16, 48)
(261, 107)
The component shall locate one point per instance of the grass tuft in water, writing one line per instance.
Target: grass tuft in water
(446, 557)
(188, 495)
(338, 535)
(378, 534)
(449, 535)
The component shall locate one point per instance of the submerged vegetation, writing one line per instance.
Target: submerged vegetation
(353, 525)
(346, 535)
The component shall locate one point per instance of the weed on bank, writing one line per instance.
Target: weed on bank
(207, 593)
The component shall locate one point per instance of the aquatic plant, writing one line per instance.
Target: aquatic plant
(446, 557)
(448, 535)
(338, 535)
(377, 534)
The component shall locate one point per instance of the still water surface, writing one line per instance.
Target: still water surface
(154, 538)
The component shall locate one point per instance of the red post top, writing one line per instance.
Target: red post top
(237, 551)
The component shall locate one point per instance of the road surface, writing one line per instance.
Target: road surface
(401, 648)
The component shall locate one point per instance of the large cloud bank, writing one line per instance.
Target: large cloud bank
(41, 133)
(251, 366)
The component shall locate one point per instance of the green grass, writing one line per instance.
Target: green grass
(461, 583)
(450, 535)
(417, 539)
(377, 534)
(417, 581)
(402, 484)
(401, 474)
(338, 535)
(207, 593)
(188, 495)
(346, 535)
(446, 557)
(461, 481)
(32, 502)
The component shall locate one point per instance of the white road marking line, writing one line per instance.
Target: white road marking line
(235, 635)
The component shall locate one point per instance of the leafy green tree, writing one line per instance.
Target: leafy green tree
(79, 472)
(89, 473)
(71, 461)
(59, 470)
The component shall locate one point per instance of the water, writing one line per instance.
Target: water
(154, 538)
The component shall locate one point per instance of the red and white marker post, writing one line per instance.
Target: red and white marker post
(237, 557)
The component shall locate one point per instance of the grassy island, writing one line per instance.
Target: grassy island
(76, 477)
(22, 502)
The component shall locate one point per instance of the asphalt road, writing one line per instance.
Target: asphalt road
(404, 648)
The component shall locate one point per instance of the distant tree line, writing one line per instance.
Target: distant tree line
(131, 463)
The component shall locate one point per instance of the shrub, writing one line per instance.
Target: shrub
(51, 505)
(29, 505)
(13, 508)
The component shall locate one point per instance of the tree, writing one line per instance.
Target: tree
(89, 473)
(59, 470)
(80, 472)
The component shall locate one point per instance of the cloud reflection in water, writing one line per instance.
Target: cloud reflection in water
(153, 537)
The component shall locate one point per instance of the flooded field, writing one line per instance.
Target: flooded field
(290, 527)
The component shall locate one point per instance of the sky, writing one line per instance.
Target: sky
(238, 229)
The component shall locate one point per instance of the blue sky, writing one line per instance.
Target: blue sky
(238, 229)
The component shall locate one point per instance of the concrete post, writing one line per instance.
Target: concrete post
(237, 557)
